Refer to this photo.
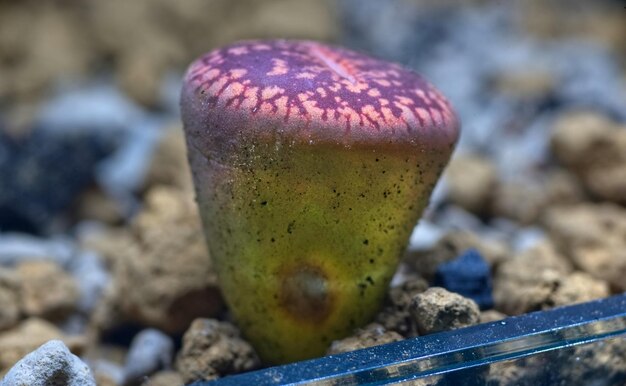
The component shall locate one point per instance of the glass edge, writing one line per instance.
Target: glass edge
(419, 357)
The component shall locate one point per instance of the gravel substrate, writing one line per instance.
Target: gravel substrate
(104, 273)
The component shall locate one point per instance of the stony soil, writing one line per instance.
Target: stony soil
(101, 246)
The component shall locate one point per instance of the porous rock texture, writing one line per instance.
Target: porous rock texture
(526, 199)
(46, 290)
(52, 364)
(9, 298)
(593, 236)
(212, 349)
(437, 310)
(527, 281)
(31, 333)
(164, 275)
(395, 315)
(471, 181)
(579, 287)
(371, 335)
(594, 148)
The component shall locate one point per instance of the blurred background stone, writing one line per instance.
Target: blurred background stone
(30, 334)
(46, 290)
(164, 274)
(95, 189)
(150, 351)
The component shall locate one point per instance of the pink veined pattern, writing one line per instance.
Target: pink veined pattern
(314, 83)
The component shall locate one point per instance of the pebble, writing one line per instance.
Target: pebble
(9, 298)
(395, 315)
(49, 365)
(437, 309)
(510, 374)
(106, 373)
(528, 280)
(95, 205)
(425, 235)
(521, 200)
(579, 287)
(19, 247)
(371, 335)
(593, 236)
(593, 147)
(46, 290)
(40, 182)
(150, 351)
(471, 180)
(169, 165)
(165, 378)
(491, 316)
(468, 275)
(30, 334)
(92, 277)
(212, 349)
(527, 237)
(101, 111)
(163, 272)
(453, 244)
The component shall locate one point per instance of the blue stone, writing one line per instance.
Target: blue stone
(468, 275)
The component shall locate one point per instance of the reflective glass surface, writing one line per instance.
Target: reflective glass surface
(579, 344)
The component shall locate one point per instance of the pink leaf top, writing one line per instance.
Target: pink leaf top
(312, 92)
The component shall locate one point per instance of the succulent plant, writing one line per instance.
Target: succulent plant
(312, 164)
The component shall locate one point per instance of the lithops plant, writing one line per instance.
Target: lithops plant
(312, 164)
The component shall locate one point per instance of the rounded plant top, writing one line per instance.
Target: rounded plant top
(313, 92)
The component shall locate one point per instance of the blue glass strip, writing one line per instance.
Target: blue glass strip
(444, 352)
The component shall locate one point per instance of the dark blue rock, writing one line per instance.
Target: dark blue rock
(468, 275)
(41, 175)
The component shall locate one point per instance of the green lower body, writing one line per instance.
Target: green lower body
(306, 239)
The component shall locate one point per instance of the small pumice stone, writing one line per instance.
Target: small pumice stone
(312, 163)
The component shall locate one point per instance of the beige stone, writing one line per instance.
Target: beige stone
(169, 164)
(593, 147)
(165, 378)
(94, 204)
(437, 309)
(527, 281)
(28, 336)
(471, 181)
(579, 287)
(9, 298)
(528, 84)
(212, 349)
(164, 275)
(371, 335)
(47, 291)
(593, 236)
(395, 315)
(491, 316)
(520, 200)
